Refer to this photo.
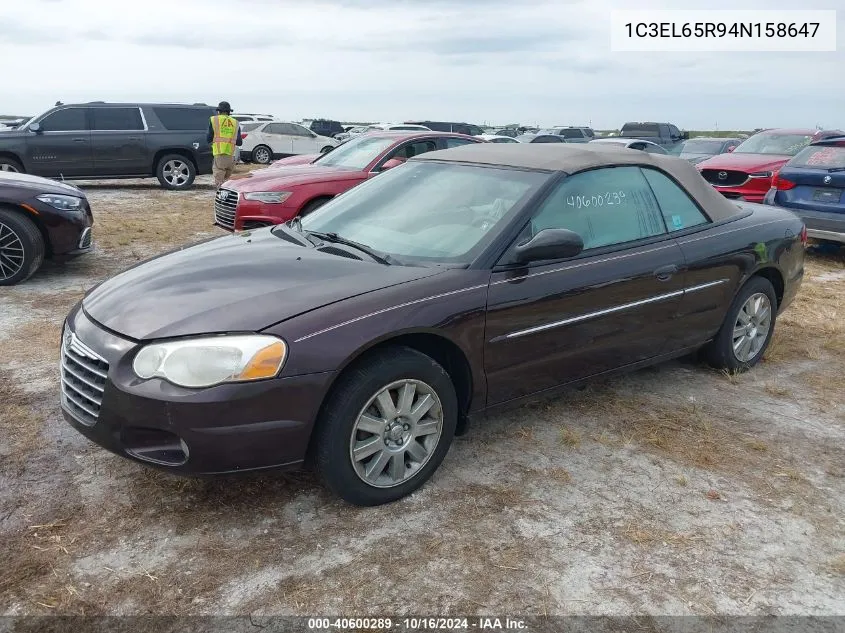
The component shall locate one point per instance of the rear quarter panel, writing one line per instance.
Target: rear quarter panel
(766, 241)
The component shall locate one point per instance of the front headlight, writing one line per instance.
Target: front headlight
(62, 203)
(203, 362)
(272, 197)
(761, 174)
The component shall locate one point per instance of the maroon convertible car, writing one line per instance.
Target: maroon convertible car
(362, 337)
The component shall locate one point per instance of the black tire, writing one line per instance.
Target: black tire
(354, 389)
(176, 172)
(313, 206)
(10, 164)
(18, 231)
(720, 351)
(262, 155)
(327, 148)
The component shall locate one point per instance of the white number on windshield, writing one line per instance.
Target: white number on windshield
(607, 198)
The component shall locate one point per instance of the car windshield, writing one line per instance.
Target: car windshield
(357, 153)
(700, 146)
(820, 156)
(427, 213)
(774, 143)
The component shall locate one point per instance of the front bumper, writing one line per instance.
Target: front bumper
(223, 429)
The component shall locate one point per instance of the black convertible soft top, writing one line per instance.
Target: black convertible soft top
(572, 158)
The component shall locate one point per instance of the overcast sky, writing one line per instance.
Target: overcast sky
(483, 61)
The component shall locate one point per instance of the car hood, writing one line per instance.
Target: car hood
(744, 162)
(238, 283)
(37, 183)
(278, 179)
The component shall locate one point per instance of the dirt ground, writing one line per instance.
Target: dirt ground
(674, 490)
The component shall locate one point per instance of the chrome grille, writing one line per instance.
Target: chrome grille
(84, 375)
(225, 207)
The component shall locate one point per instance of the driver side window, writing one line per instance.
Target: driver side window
(605, 206)
(410, 150)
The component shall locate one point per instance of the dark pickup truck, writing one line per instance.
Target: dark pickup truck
(113, 140)
(664, 134)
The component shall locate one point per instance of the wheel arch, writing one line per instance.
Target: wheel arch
(39, 224)
(14, 157)
(431, 343)
(325, 197)
(775, 277)
(181, 151)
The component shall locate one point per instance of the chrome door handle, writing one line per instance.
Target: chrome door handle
(664, 273)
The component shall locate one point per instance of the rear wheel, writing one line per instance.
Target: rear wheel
(748, 327)
(325, 149)
(10, 164)
(262, 155)
(21, 248)
(386, 427)
(175, 172)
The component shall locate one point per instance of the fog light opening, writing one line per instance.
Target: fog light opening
(155, 446)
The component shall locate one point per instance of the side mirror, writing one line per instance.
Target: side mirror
(35, 127)
(550, 244)
(393, 162)
(731, 148)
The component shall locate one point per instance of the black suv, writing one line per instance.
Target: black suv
(113, 140)
(326, 127)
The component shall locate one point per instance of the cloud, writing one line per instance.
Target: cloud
(537, 61)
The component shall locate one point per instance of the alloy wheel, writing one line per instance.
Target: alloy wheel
(8, 167)
(176, 173)
(752, 327)
(11, 252)
(262, 156)
(396, 433)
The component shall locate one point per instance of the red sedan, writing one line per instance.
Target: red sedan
(746, 173)
(278, 194)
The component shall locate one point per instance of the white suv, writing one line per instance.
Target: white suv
(278, 139)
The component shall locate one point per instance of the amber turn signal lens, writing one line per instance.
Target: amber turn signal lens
(265, 363)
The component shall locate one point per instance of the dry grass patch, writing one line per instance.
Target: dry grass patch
(837, 565)
(164, 221)
(814, 323)
(20, 425)
(570, 437)
(647, 534)
(34, 341)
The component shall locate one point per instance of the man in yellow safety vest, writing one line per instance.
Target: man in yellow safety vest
(224, 134)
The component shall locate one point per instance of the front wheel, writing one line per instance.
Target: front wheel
(748, 327)
(175, 172)
(21, 248)
(386, 428)
(325, 149)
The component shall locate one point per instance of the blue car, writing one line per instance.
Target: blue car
(812, 185)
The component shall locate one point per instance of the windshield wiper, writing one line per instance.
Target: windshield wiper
(382, 258)
(833, 169)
